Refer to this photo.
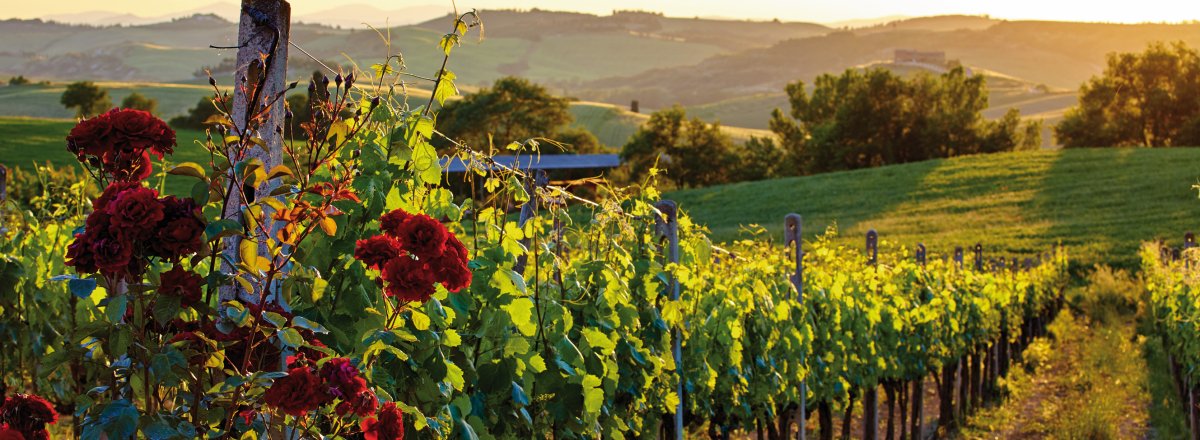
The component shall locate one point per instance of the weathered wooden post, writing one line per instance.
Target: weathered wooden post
(668, 228)
(793, 236)
(871, 393)
(978, 257)
(958, 257)
(263, 33)
(3, 191)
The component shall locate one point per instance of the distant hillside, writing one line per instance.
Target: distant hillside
(556, 48)
(1057, 54)
(1100, 203)
(1034, 101)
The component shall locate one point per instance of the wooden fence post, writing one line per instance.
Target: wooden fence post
(263, 33)
(871, 393)
(793, 236)
(918, 385)
(668, 228)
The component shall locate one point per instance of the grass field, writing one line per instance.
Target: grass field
(29, 140)
(1101, 203)
(611, 124)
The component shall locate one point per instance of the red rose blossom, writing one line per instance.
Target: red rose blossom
(297, 393)
(121, 141)
(7, 433)
(178, 237)
(389, 425)
(182, 283)
(451, 267)
(28, 414)
(423, 236)
(408, 279)
(377, 251)
(79, 255)
(113, 255)
(390, 222)
(136, 211)
(110, 193)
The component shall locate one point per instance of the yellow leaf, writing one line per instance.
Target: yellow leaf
(190, 169)
(328, 225)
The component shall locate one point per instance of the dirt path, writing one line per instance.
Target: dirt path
(1085, 381)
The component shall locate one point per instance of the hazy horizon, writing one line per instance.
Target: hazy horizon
(804, 11)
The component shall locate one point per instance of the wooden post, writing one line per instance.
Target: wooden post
(668, 228)
(978, 257)
(262, 79)
(3, 197)
(871, 391)
(793, 227)
(958, 257)
(918, 385)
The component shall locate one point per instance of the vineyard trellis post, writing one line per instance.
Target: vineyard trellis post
(793, 227)
(263, 35)
(958, 257)
(918, 386)
(669, 229)
(871, 395)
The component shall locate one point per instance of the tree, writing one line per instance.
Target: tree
(18, 80)
(86, 98)
(1151, 99)
(875, 117)
(693, 152)
(139, 101)
(758, 159)
(512, 110)
(195, 117)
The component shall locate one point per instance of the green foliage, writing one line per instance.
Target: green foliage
(197, 116)
(86, 98)
(1024, 201)
(138, 101)
(1149, 99)
(513, 110)
(18, 80)
(48, 191)
(875, 117)
(692, 152)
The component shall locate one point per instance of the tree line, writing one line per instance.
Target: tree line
(856, 119)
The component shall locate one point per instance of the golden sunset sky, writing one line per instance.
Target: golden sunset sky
(823, 11)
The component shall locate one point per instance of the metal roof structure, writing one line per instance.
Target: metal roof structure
(543, 162)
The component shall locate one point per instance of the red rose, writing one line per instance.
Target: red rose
(136, 210)
(129, 166)
(297, 393)
(28, 414)
(390, 222)
(112, 255)
(110, 193)
(389, 425)
(423, 236)
(121, 141)
(377, 251)
(178, 237)
(408, 279)
(87, 137)
(79, 255)
(345, 382)
(451, 268)
(362, 402)
(7, 433)
(182, 283)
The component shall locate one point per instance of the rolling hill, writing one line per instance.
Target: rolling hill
(1101, 203)
(1059, 55)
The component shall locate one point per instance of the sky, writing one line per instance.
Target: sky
(822, 11)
